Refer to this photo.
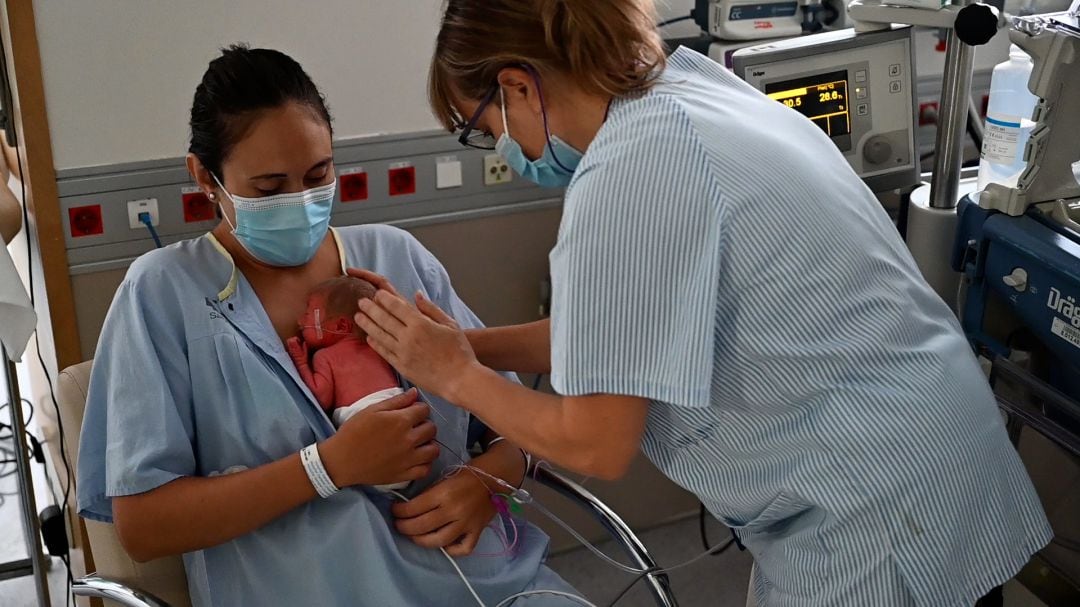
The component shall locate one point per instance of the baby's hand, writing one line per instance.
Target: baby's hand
(297, 349)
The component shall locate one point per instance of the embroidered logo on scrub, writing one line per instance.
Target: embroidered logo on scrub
(214, 314)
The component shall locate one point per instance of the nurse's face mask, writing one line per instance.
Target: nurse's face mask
(283, 230)
(553, 169)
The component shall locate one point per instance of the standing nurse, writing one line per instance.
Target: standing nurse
(731, 299)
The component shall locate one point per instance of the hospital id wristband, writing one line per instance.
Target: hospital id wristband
(316, 472)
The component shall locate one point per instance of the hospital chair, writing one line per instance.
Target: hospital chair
(163, 583)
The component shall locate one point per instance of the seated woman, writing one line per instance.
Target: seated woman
(196, 416)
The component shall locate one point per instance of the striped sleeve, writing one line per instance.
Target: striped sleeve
(635, 267)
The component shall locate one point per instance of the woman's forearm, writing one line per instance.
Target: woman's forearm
(502, 460)
(519, 348)
(597, 435)
(192, 513)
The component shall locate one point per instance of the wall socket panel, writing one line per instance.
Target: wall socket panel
(167, 181)
(496, 171)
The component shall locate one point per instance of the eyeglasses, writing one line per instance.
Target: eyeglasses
(479, 139)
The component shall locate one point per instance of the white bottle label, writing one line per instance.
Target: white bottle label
(1001, 139)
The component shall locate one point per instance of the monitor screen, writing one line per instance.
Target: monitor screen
(822, 98)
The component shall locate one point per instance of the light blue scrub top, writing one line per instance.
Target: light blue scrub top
(718, 257)
(190, 379)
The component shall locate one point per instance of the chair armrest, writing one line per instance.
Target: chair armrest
(99, 587)
(615, 526)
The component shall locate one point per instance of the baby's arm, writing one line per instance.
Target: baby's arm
(320, 380)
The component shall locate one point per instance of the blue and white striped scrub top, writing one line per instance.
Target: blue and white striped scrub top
(190, 379)
(718, 257)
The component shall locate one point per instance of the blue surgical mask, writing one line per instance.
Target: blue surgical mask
(283, 230)
(553, 169)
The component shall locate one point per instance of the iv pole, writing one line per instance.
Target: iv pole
(35, 564)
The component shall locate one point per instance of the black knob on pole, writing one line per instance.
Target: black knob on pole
(976, 24)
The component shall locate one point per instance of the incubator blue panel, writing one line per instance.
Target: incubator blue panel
(1031, 263)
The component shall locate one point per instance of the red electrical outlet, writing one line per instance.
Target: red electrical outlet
(354, 187)
(197, 207)
(402, 180)
(928, 113)
(86, 221)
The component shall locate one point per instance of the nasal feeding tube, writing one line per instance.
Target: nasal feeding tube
(319, 331)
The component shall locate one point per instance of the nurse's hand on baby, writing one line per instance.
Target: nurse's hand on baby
(423, 343)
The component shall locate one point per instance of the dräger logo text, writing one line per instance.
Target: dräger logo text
(1066, 306)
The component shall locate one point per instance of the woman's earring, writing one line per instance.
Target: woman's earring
(212, 196)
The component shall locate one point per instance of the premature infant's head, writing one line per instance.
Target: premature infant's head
(331, 306)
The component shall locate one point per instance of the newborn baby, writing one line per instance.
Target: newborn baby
(345, 374)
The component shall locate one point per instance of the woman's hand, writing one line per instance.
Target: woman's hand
(424, 344)
(450, 514)
(390, 442)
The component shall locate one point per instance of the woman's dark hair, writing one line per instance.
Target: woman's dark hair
(235, 89)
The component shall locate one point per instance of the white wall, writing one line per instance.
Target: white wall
(670, 9)
(120, 74)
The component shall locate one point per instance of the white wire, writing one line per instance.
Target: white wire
(612, 561)
(586, 543)
(453, 563)
(508, 599)
(423, 398)
(461, 574)
(565, 595)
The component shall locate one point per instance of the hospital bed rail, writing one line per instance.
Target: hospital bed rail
(95, 586)
(658, 583)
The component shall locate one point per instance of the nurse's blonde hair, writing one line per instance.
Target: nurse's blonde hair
(605, 47)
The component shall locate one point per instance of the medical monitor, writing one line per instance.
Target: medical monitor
(858, 88)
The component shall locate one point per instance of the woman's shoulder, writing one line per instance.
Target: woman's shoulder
(375, 234)
(181, 267)
(370, 242)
